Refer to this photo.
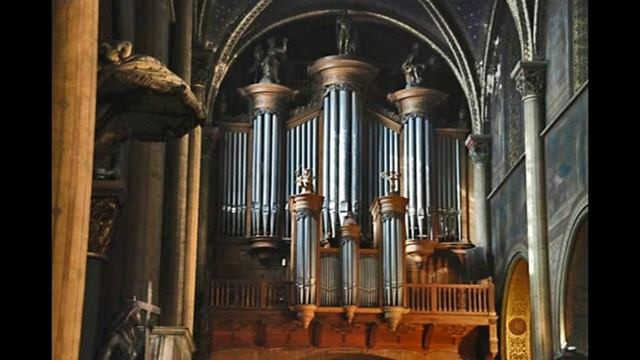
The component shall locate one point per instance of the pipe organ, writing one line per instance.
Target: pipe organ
(335, 153)
(301, 153)
(342, 78)
(267, 102)
(234, 180)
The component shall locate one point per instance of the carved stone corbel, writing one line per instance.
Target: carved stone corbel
(140, 97)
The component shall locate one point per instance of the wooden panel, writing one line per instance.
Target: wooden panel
(286, 335)
(406, 337)
(341, 334)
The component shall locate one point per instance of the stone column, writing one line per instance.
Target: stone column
(75, 65)
(124, 20)
(530, 82)
(142, 213)
(193, 197)
(177, 167)
(479, 152)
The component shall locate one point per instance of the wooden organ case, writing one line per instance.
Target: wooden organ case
(314, 249)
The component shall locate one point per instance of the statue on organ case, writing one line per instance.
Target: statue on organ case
(412, 71)
(268, 63)
(304, 179)
(347, 37)
(393, 178)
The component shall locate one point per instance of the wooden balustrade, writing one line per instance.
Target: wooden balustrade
(249, 294)
(447, 298)
(421, 298)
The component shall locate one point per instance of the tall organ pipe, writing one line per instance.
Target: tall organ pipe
(389, 211)
(417, 106)
(341, 78)
(305, 212)
(267, 103)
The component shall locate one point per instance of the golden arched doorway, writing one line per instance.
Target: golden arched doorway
(516, 314)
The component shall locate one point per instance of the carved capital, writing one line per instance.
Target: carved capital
(530, 77)
(479, 147)
(103, 216)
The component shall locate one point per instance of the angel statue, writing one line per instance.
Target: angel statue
(269, 62)
(304, 180)
(393, 178)
(346, 36)
(412, 71)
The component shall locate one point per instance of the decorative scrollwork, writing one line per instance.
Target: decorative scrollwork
(103, 216)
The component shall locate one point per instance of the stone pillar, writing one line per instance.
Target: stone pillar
(142, 213)
(75, 65)
(124, 20)
(530, 82)
(193, 197)
(177, 167)
(480, 153)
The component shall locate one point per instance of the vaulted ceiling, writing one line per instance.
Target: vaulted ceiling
(456, 30)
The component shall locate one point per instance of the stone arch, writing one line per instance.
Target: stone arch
(516, 313)
(574, 287)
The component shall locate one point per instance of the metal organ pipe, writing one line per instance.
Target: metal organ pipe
(267, 104)
(458, 189)
(266, 173)
(275, 166)
(356, 160)
(326, 134)
(257, 173)
(389, 212)
(332, 168)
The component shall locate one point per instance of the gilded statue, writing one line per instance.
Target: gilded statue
(269, 63)
(346, 36)
(123, 341)
(304, 179)
(412, 71)
(393, 178)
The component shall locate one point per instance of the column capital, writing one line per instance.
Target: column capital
(342, 69)
(530, 77)
(268, 96)
(418, 100)
(479, 147)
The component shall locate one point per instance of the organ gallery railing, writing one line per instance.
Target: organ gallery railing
(475, 299)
